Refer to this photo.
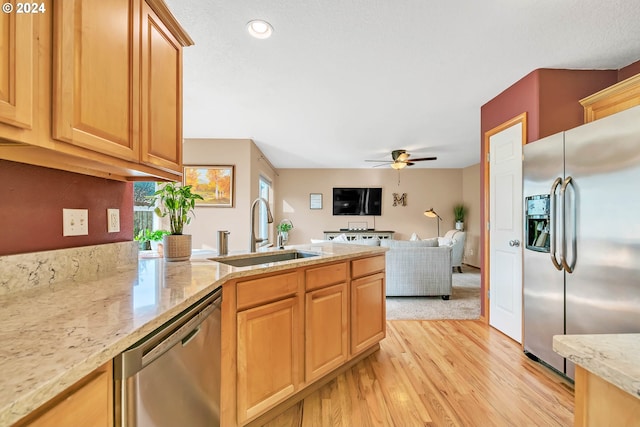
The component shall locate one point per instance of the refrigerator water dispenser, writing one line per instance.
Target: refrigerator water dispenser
(536, 226)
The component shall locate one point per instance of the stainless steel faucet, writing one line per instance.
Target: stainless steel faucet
(254, 240)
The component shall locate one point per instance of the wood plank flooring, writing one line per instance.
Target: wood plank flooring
(439, 373)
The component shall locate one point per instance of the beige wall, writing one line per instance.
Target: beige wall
(471, 199)
(246, 157)
(425, 188)
(439, 189)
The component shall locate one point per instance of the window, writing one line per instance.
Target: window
(143, 215)
(265, 191)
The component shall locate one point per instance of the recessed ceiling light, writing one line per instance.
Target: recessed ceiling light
(259, 29)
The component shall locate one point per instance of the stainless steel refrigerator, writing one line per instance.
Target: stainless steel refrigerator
(582, 234)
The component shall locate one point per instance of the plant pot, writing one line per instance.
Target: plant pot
(459, 225)
(177, 247)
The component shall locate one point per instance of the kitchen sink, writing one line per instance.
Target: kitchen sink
(253, 259)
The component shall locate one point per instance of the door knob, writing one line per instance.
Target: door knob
(514, 243)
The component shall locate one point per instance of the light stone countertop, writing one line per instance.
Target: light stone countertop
(613, 357)
(52, 336)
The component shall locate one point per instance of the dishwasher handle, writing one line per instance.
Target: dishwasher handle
(136, 358)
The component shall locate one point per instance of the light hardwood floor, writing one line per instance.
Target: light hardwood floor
(439, 373)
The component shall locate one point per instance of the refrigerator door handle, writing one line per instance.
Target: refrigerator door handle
(568, 268)
(552, 223)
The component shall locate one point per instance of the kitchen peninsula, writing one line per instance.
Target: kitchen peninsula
(607, 382)
(56, 333)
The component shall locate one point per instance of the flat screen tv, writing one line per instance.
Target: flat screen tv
(357, 201)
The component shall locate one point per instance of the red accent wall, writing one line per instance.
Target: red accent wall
(551, 99)
(629, 71)
(31, 203)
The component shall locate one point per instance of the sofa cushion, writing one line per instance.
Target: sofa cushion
(426, 243)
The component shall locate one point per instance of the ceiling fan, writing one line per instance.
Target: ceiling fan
(400, 160)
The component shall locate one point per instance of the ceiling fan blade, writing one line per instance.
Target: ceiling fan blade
(380, 161)
(423, 159)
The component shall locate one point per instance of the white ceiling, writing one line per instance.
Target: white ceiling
(344, 81)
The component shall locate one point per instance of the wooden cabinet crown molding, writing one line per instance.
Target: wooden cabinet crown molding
(163, 12)
(611, 100)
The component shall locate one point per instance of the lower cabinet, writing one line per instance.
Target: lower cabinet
(326, 348)
(598, 403)
(290, 329)
(267, 350)
(368, 312)
(89, 403)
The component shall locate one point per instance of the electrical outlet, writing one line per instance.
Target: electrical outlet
(75, 222)
(113, 220)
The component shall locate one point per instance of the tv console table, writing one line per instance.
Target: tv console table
(359, 234)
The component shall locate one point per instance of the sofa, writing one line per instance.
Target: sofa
(456, 239)
(418, 268)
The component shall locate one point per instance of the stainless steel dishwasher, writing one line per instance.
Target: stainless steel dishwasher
(172, 377)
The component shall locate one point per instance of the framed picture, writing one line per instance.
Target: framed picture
(214, 183)
(315, 201)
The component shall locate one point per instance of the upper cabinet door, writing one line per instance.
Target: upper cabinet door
(161, 94)
(95, 75)
(17, 62)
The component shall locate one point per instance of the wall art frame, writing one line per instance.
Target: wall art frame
(215, 183)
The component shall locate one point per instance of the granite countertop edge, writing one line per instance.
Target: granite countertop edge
(49, 371)
(613, 357)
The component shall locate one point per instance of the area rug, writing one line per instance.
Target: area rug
(463, 304)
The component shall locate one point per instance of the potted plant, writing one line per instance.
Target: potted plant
(459, 212)
(283, 229)
(145, 237)
(177, 202)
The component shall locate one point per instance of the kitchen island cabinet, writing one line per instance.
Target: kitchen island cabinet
(268, 344)
(607, 392)
(291, 330)
(58, 330)
(368, 308)
(89, 402)
(326, 321)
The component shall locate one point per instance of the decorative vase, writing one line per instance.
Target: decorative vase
(459, 225)
(177, 247)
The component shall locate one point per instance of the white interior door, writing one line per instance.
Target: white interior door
(505, 231)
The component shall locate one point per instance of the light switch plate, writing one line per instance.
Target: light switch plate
(75, 222)
(113, 220)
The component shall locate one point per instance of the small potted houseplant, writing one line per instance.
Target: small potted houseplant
(177, 202)
(459, 212)
(283, 229)
(148, 239)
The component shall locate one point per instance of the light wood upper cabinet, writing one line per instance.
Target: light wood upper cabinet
(161, 94)
(95, 76)
(616, 98)
(89, 402)
(18, 62)
(94, 87)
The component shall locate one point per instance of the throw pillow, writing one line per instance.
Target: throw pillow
(445, 241)
(414, 237)
(341, 238)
